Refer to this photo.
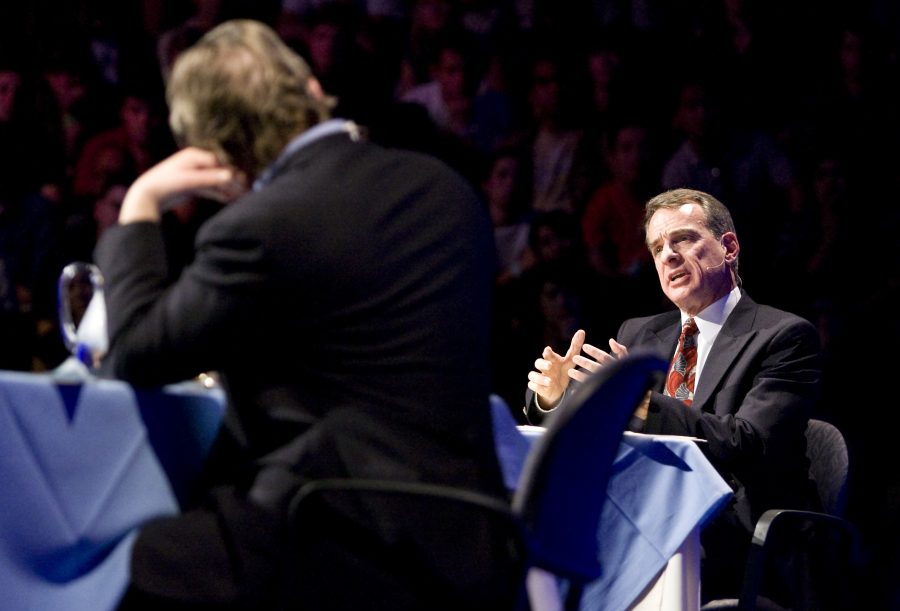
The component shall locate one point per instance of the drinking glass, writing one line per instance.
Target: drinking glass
(82, 311)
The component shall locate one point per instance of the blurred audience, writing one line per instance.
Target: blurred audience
(612, 219)
(506, 191)
(794, 136)
(553, 135)
(743, 165)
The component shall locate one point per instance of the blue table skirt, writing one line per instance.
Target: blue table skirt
(80, 473)
(85, 463)
(660, 490)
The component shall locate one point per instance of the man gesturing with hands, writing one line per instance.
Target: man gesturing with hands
(754, 375)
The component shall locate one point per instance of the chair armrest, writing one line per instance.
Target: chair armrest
(453, 494)
(793, 527)
(774, 517)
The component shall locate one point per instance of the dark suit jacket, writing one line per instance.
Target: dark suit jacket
(758, 388)
(346, 306)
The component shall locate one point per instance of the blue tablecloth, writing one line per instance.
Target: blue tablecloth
(660, 490)
(84, 462)
(80, 472)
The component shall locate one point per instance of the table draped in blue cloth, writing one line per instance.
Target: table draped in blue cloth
(86, 461)
(661, 489)
(81, 472)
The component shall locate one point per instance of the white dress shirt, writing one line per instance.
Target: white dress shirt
(709, 323)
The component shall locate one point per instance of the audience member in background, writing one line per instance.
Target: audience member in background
(755, 383)
(611, 222)
(506, 189)
(816, 240)
(495, 56)
(507, 193)
(201, 17)
(555, 241)
(28, 265)
(109, 162)
(20, 154)
(447, 94)
(554, 135)
(28, 247)
(71, 106)
(554, 296)
(741, 46)
(853, 102)
(105, 212)
(430, 23)
(130, 146)
(610, 94)
(477, 114)
(340, 51)
(332, 368)
(31, 149)
(736, 163)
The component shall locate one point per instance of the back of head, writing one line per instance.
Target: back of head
(242, 93)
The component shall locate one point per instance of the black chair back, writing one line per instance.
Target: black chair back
(563, 487)
(805, 560)
(829, 465)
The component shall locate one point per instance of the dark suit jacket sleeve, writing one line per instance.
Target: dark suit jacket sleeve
(160, 333)
(755, 417)
(534, 414)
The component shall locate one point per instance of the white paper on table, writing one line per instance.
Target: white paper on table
(661, 436)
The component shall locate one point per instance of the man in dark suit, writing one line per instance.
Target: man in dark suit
(344, 302)
(755, 381)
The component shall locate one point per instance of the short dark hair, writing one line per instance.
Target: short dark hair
(717, 217)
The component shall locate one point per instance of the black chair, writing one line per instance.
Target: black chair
(317, 515)
(559, 499)
(818, 551)
(829, 466)
(555, 510)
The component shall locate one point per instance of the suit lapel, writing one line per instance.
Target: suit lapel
(664, 333)
(735, 334)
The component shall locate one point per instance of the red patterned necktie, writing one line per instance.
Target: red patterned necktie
(680, 383)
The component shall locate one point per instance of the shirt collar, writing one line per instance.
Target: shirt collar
(715, 314)
(317, 132)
